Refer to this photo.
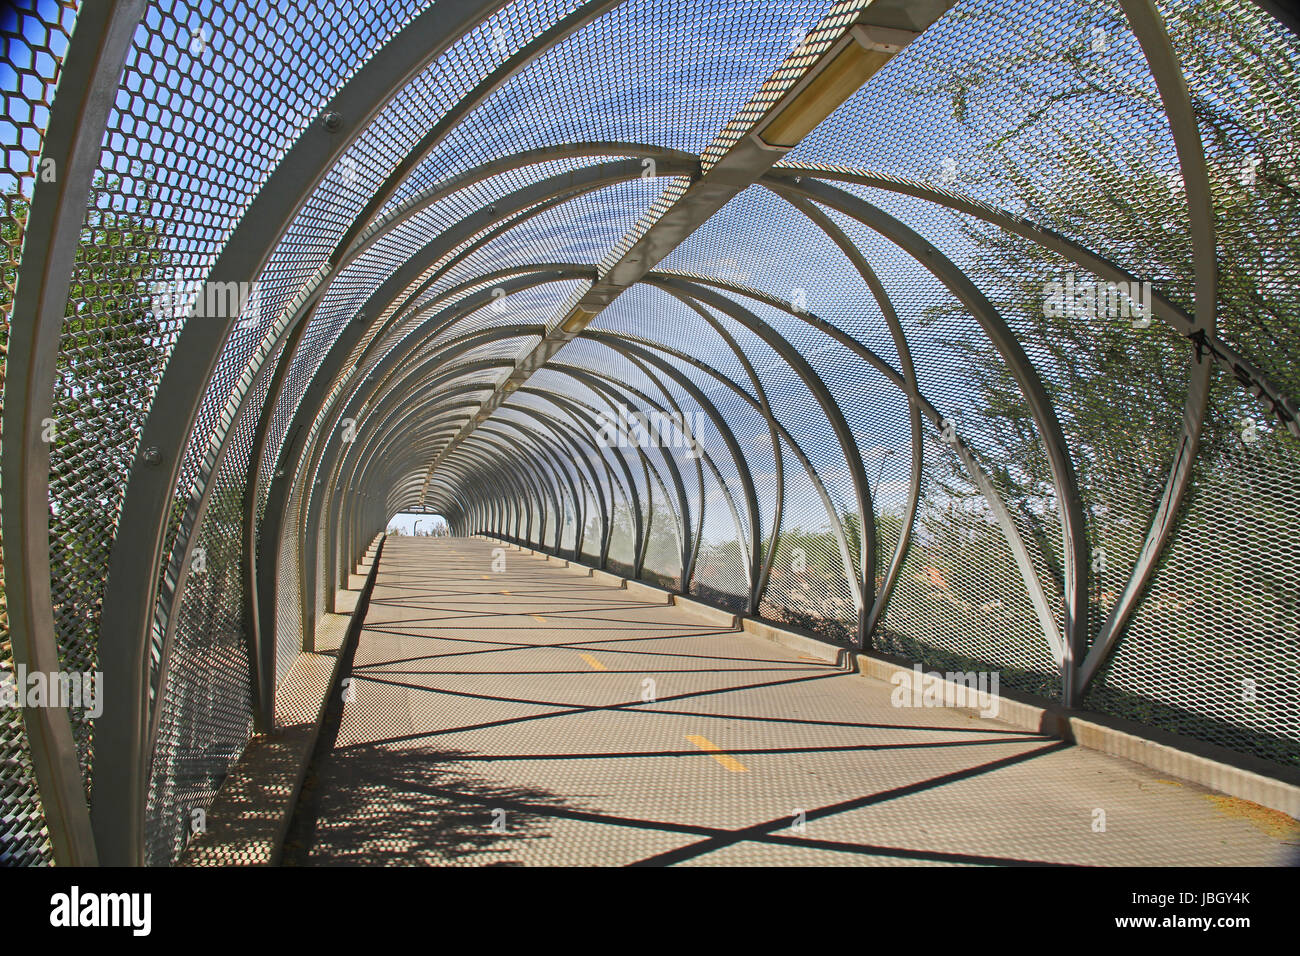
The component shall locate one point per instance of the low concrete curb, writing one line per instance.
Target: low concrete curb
(809, 646)
(604, 577)
(248, 820)
(647, 592)
(1217, 768)
(713, 615)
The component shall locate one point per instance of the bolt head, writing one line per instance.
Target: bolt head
(332, 120)
(152, 455)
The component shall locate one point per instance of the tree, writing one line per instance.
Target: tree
(1119, 387)
(1075, 137)
(109, 358)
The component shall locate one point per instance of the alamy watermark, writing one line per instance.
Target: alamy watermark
(62, 689)
(1095, 300)
(630, 429)
(974, 689)
(177, 298)
(79, 908)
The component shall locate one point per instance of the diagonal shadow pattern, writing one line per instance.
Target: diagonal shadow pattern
(513, 705)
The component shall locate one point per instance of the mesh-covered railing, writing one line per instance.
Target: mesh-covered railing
(34, 38)
(964, 332)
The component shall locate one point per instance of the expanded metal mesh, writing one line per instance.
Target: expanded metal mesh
(33, 39)
(1214, 651)
(738, 423)
(204, 714)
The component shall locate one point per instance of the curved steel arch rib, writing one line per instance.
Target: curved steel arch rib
(1073, 525)
(585, 469)
(119, 798)
(900, 380)
(765, 410)
(556, 470)
(912, 392)
(864, 577)
(831, 512)
(749, 545)
(89, 74)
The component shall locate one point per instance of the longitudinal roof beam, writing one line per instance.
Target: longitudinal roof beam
(854, 40)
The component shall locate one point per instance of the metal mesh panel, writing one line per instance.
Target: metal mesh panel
(204, 714)
(34, 38)
(961, 602)
(720, 567)
(109, 357)
(591, 535)
(1212, 652)
(322, 571)
(622, 541)
(1241, 68)
(1000, 99)
(807, 586)
(173, 213)
(663, 562)
(557, 236)
(288, 618)
(1047, 111)
(946, 344)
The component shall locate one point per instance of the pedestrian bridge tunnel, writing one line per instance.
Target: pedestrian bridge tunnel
(961, 334)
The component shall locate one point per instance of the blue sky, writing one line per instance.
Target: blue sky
(211, 101)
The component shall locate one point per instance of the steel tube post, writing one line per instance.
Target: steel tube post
(87, 86)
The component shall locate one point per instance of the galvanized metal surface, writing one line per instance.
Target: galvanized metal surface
(467, 280)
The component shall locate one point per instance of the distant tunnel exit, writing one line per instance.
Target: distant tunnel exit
(419, 524)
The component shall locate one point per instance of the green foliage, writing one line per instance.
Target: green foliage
(110, 355)
(1119, 391)
(1079, 141)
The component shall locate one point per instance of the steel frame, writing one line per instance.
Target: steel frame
(427, 436)
(87, 86)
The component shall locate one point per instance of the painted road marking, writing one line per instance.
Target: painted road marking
(595, 664)
(714, 751)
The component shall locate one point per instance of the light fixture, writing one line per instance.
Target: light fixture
(865, 52)
(577, 321)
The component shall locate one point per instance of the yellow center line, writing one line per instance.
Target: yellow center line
(714, 751)
(595, 664)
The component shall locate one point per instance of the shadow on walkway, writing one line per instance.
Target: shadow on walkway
(379, 806)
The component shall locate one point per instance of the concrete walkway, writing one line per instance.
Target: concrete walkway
(534, 716)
